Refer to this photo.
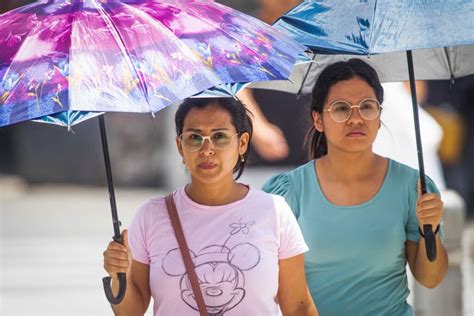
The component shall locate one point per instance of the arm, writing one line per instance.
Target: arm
(118, 258)
(429, 210)
(268, 139)
(293, 294)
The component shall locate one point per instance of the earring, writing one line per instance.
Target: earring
(184, 162)
(242, 158)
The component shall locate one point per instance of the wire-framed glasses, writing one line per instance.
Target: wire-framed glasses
(341, 111)
(221, 140)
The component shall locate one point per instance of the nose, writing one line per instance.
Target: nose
(207, 148)
(355, 117)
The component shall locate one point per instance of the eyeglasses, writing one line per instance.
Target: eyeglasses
(341, 111)
(193, 141)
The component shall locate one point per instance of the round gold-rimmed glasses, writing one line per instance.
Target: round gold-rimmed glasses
(341, 111)
(221, 140)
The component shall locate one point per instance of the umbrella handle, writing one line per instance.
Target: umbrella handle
(106, 281)
(108, 289)
(430, 242)
(116, 223)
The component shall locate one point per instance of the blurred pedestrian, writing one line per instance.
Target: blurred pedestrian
(268, 139)
(270, 10)
(359, 212)
(246, 246)
(400, 143)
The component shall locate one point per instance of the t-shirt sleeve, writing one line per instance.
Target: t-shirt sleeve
(281, 185)
(137, 235)
(291, 238)
(412, 228)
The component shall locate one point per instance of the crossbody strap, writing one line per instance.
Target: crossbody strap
(183, 247)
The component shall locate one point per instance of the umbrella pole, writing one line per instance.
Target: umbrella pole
(430, 242)
(116, 223)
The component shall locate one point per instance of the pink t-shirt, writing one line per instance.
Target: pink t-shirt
(235, 249)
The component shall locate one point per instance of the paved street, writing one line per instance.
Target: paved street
(52, 238)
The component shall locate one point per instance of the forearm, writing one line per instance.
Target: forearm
(246, 97)
(293, 293)
(427, 273)
(132, 303)
(304, 309)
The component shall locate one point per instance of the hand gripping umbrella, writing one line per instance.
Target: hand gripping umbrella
(437, 35)
(64, 61)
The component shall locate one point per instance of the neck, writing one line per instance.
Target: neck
(345, 166)
(214, 194)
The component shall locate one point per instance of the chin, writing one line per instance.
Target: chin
(357, 148)
(211, 178)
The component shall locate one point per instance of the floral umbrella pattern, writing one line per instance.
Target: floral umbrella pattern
(129, 55)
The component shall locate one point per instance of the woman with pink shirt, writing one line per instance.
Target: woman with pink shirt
(245, 245)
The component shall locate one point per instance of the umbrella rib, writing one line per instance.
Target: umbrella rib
(306, 75)
(369, 44)
(449, 63)
(120, 42)
(74, 9)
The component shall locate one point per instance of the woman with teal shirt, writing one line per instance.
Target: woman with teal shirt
(360, 213)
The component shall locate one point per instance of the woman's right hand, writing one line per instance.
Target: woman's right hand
(118, 257)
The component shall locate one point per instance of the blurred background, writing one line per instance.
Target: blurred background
(54, 211)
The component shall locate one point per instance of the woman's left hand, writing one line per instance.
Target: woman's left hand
(429, 209)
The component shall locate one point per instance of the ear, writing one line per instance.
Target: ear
(179, 146)
(243, 143)
(317, 121)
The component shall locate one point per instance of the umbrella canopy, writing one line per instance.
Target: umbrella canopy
(440, 34)
(130, 55)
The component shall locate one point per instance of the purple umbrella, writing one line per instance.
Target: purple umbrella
(63, 61)
(129, 56)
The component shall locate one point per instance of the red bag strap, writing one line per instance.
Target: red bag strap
(183, 247)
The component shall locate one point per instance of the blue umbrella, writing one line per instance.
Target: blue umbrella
(437, 36)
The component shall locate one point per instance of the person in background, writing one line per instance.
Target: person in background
(269, 141)
(271, 10)
(245, 244)
(359, 212)
(400, 143)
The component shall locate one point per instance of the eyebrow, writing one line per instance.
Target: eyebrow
(197, 130)
(367, 98)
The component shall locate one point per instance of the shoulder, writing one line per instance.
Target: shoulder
(285, 182)
(153, 208)
(408, 176)
(402, 171)
(400, 175)
(261, 196)
(268, 202)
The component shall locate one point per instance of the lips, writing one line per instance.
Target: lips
(207, 165)
(356, 133)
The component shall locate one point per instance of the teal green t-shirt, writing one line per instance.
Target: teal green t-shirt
(356, 260)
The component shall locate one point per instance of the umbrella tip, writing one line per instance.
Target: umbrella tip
(451, 83)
